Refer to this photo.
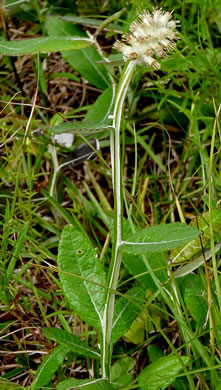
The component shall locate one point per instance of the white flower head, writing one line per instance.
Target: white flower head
(150, 38)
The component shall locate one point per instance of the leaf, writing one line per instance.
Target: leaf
(70, 341)
(159, 238)
(101, 110)
(126, 311)
(136, 333)
(85, 128)
(195, 297)
(136, 266)
(83, 61)
(49, 366)
(95, 384)
(42, 45)
(189, 250)
(93, 22)
(6, 384)
(120, 371)
(77, 256)
(162, 373)
(17, 249)
(96, 120)
(154, 353)
(194, 264)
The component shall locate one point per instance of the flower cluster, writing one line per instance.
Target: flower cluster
(149, 38)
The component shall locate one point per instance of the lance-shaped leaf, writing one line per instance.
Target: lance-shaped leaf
(83, 278)
(126, 310)
(49, 366)
(70, 341)
(159, 238)
(85, 128)
(42, 45)
(96, 120)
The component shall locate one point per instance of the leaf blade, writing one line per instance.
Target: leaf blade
(126, 311)
(160, 374)
(42, 45)
(83, 61)
(96, 384)
(159, 238)
(49, 366)
(70, 341)
(77, 255)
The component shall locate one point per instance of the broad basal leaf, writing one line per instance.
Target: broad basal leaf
(42, 45)
(126, 310)
(70, 341)
(159, 238)
(49, 366)
(95, 384)
(160, 374)
(77, 256)
(84, 61)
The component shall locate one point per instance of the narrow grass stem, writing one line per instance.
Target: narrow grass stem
(126, 77)
(212, 243)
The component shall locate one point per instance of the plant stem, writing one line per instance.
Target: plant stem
(125, 79)
(212, 243)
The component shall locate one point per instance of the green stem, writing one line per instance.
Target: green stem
(126, 77)
(212, 243)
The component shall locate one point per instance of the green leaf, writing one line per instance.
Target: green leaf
(154, 353)
(17, 249)
(195, 297)
(101, 110)
(93, 22)
(96, 384)
(136, 333)
(85, 128)
(42, 45)
(49, 366)
(6, 384)
(83, 61)
(120, 371)
(84, 277)
(70, 341)
(162, 373)
(135, 265)
(96, 120)
(189, 250)
(159, 238)
(126, 310)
